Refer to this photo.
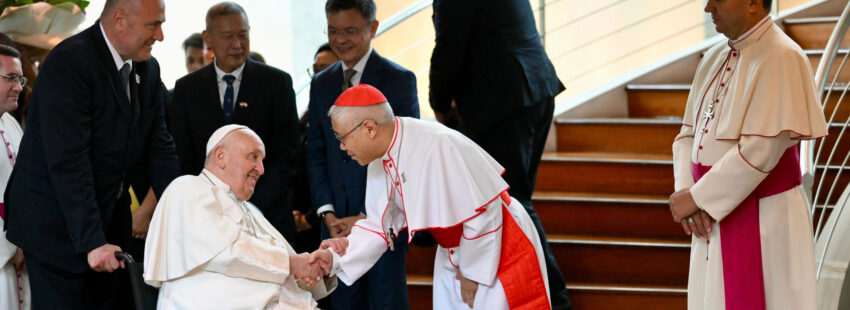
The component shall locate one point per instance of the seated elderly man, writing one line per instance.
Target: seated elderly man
(209, 248)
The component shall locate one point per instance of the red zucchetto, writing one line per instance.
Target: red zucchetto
(360, 96)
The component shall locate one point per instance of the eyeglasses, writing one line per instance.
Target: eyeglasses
(341, 139)
(316, 69)
(15, 79)
(346, 33)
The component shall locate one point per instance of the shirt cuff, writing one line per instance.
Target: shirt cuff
(326, 207)
(336, 265)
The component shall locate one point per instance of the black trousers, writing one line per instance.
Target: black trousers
(55, 288)
(384, 287)
(517, 144)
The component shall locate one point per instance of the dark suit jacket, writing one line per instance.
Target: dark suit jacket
(195, 113)
(81, 140)
(488, 57)
(334, 177)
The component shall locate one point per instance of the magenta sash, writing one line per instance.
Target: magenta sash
(740, 238)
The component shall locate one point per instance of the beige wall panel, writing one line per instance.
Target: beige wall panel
(387, 8)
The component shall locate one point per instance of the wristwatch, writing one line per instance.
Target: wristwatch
(323, 214)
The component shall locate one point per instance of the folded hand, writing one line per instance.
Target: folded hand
(682, 205)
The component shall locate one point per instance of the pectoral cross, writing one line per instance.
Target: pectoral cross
(709, 113)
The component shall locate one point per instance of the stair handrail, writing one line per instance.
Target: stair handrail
(810, 153)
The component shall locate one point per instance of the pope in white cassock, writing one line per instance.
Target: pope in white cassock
(736, 164)
(209, 248)
(425, 176)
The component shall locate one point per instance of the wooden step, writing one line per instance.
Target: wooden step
(420, 291)
(625, 173)
(657, 99)
(823, 189)
(582, 295)
(607, 214)
(619, 297)
(812, 33)
(599, 259)
(815, 57)
(595, 259)
(626, 135)
(654, 100)
(834, 94)
(606, 173)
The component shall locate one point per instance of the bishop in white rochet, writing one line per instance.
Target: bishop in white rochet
(736, 166)
(424, 176)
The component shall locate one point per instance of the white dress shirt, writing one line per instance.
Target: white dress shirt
(222, 85)
(119, 61)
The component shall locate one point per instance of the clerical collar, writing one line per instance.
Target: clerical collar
(217, 182)
(753, 35)
(395, 145)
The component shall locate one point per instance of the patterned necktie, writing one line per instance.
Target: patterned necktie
(125, 79)
(227, 105)
(347, 75)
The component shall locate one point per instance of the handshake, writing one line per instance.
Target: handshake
(311, 267)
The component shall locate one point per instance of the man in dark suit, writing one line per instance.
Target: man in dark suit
(488, 61)
(236, 90)
(94, 114)
(337, 182)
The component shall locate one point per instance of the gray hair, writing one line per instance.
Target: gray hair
(224, 9)
(381, 113)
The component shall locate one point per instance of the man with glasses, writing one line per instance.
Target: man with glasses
(323, 59)
(423, 176)
(95, 114)
(739, 191)
(336, 181)
(237, 90)
(14, 282)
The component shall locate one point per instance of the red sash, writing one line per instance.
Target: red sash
(740, 238)
(3, 211)
(519, 270)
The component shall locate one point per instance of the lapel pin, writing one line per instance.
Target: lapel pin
(403, 179)
(243, 104)
(138, 79)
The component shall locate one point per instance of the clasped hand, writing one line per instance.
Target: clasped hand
(311, 267)
(686, 212)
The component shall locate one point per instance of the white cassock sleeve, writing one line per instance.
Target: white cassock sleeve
(366, 244)
(481, 245)
(738, 173)
(682, 148)
(252, 258)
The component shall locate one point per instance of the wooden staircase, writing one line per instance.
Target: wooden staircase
(602, 197)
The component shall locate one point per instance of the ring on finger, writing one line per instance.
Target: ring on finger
(690, 220)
